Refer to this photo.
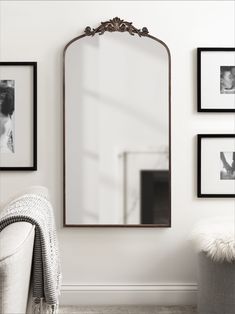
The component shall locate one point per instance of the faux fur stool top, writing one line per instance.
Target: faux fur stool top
(215, 237)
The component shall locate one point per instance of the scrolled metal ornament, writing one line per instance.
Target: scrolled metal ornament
(116, 25)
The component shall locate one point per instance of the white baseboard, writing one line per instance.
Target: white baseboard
(167, 294)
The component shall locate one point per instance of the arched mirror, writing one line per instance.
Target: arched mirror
(117, 128)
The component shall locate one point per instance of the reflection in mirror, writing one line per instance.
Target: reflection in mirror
(116, 130)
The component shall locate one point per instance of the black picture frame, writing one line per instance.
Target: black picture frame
(200, 138)
(33, 166)
(200, 107)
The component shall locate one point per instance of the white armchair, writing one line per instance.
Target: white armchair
(16, 252)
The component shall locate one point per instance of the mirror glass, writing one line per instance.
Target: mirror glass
(116, 131)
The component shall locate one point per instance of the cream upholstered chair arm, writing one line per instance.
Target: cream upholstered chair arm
(16, 251)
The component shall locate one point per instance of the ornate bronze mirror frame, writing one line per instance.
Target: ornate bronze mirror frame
(118, 25)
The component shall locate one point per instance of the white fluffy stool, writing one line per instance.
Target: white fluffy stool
(215, 244)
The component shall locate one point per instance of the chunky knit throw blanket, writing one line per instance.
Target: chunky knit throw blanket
(46, 275)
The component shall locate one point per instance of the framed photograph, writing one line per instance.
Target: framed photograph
(18, 116)
(216, 165)
(216, 79)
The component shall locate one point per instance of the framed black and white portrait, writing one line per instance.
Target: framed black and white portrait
(216, 165)
(18, 116)
(216, 79)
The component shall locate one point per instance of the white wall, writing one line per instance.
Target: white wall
(132, 265)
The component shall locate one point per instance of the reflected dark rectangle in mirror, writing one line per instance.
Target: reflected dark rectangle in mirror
(155, 200)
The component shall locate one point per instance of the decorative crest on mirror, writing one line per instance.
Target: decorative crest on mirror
(116, 25)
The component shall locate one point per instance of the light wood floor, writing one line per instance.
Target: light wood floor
(127, 310)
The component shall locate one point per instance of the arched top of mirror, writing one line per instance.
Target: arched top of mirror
(117, 25)
(116, 125)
